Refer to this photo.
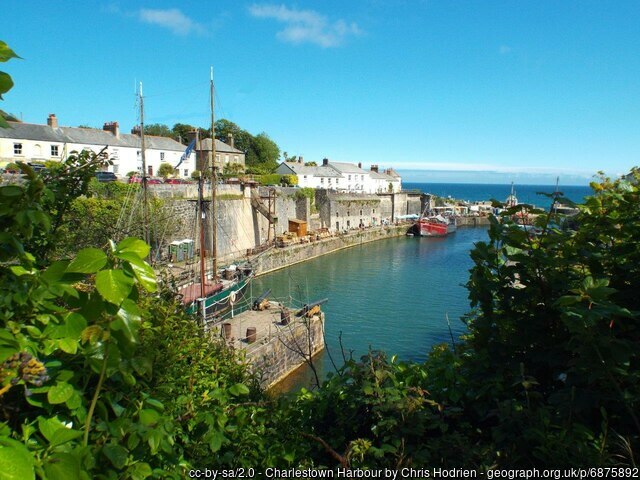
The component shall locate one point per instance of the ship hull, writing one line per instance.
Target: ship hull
(218, 303)
(427, 228)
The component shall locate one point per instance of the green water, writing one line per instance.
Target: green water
(391, 295)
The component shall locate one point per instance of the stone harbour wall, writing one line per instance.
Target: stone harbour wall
(278, 258)
(287, 348)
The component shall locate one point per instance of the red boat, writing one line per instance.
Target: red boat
(435, 226)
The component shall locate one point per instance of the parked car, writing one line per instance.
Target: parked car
(175, 181)
(106, 177)
(150, 180)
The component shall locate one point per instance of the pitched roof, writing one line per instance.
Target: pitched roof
(87, 136)
(302, 169)
(347, 167)
(220, 146)
(382, 176)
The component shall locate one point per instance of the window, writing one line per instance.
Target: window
(361, 214)
(337, 180)
(161, 156)
(304, 176)
(37, 150)
(186, 172)
(349, 177)
(362, 177)
(321, 179)
(374, 210)
(17, 149)
(348, 223)
(337, 225)
(54, 150)
(116, 168)
(347, 213)
(218, 157)
(236, 159)
(150, 169)
(226, 159)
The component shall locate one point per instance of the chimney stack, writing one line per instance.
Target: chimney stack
(112, 127)
(52, 121)
(374, 168)
(325, 162)
(136, 130)
(230, 139)
(359, 164)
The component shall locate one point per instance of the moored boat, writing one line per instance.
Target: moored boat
(435, 226)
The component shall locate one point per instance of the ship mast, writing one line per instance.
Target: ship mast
(145, 198)
(201, 227)
(214, 181)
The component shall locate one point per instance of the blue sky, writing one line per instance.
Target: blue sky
(478, 87)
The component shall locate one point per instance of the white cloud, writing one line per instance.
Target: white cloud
(172, 19)
(302, 26)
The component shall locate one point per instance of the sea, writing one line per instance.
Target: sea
(401, 295)
(474, 192)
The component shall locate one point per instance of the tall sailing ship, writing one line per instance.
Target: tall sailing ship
(218, 292)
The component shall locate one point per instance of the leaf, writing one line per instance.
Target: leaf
(5, 82)
(134, 245)
(55, 271)
(141, 269)
(238, 389)
(16, 462)
(11, 191)
(117, 454)
(149, 417)
(6, 53)
(88, 260)
(215, 441)
(113, 285)
(64, 435)
(76, 323)
(68, 345)
(62, 466)
(60, 393)
(128, 320)
(139, 471)
(49, 426)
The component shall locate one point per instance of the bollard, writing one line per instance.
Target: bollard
(226, 330)
(251, 334)
(285, 316)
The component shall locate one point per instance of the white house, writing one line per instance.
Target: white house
(385, 182)
(33, 142)
(342, 177)
(312, 176)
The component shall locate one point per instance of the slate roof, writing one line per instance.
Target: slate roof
(87, 136)
(220, 146)
(302, 169)
(382, 176)
(347, 167)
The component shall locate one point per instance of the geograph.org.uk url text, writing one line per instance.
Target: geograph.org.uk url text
(394, 474)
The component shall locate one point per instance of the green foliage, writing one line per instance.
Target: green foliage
(263, 154)
(158, 130)
(195, 174)
(289, 180)
(166, 170)
(269, 179)
(6, 83)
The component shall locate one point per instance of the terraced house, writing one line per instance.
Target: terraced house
(27, 142)
(343, 177)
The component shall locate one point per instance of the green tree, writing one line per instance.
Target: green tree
(311, 164)
(241, 138)
(159, 130)
(181, 132)
(166, 170)
(263, 154)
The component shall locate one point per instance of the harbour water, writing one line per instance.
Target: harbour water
(391, 295)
